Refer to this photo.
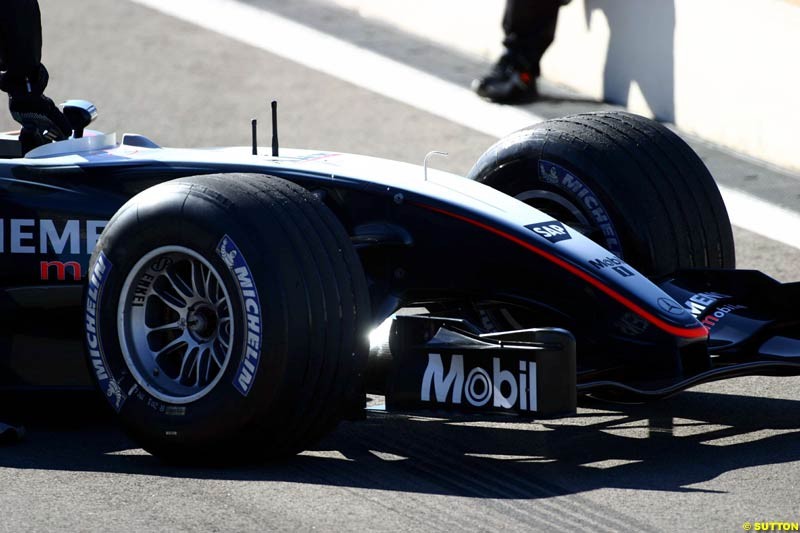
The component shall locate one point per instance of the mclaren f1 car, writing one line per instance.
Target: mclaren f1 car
(221, 300)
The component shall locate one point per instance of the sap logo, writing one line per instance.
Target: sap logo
(60, 268)
(552, 231)
(31, 236)
(616, 264)
(477, 387)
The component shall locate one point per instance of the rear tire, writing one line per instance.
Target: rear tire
(227, 318)
(623, 180)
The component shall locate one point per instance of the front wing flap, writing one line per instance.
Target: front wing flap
(439, 364)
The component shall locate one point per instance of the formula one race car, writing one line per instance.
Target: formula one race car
(221, 299)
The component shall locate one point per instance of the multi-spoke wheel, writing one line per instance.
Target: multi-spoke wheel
(175, 327)
(226, 318)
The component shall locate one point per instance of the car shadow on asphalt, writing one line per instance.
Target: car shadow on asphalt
(673, 445)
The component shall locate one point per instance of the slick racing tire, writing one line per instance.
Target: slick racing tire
(624, 181)
(226, 319)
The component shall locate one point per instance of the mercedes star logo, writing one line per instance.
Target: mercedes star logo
(670, 306)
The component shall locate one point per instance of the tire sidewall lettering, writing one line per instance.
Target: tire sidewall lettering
(244, 280)
(145, 416)
(584, 198)
(107, 383)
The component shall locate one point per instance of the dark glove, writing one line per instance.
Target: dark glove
(41, 120)
(33, 81)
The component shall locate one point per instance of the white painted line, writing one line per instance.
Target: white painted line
(348, 62)
(761, 217)
(362, 67)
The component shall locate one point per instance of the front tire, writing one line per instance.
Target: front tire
(624, 181)
(227, 318)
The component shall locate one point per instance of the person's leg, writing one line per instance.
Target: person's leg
(529, 27)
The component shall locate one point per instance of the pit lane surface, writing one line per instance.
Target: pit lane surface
(709, 459)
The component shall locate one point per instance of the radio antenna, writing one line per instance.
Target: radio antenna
(254, 127)
(274, 128)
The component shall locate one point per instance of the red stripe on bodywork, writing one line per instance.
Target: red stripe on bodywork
(687, 333)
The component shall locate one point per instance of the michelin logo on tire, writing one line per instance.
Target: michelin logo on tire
(107, 383)
(233, 258)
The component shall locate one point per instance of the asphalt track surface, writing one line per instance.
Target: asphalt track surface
(709, 459)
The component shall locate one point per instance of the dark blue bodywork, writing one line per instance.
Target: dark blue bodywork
(437, 240)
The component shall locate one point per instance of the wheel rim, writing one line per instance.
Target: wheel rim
(175, 324)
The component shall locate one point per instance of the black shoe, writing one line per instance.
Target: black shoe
(511, 81)
(41, 120)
